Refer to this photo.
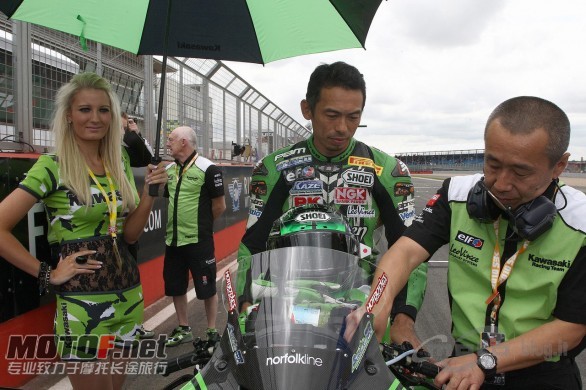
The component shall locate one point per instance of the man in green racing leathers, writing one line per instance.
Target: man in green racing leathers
(369, 187)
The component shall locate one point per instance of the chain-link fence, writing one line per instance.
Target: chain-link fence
(203, 94)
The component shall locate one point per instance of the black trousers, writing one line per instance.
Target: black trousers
(563, 375)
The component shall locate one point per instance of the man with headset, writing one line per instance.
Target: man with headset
(517, 257)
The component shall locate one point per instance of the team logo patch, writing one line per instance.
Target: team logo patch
(406, 205)
(404, 189)
(258, 187)
(293, 162)
(235, 189)
(350, 195)
(469, 240)
(260, 169)
(359, 231)
(328, 168)
(431, 202)
(299, 173)
(359, 211)
(300, 200)
(289, 153)
(400, 170)
(307, 187)
(312, 216)
(358, 178)
(256, 203)
(365, 162)
(218, 181)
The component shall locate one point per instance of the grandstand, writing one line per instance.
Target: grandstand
(449, 160)
(460, 160)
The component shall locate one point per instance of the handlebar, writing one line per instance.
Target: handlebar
(201, 354)
(401, 362)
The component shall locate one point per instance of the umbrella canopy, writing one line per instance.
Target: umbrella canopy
(258, 31)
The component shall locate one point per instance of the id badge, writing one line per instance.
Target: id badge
(489, 339)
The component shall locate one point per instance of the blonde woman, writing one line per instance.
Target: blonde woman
(88, 191)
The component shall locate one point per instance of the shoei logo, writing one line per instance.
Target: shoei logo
(358, 178)
(312, 216)
(470, 240)
(296, 358)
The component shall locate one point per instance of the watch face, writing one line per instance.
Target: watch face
(487, 361)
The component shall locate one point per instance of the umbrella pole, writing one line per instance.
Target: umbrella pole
(154, 188)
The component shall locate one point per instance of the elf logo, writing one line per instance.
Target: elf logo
(469, 240)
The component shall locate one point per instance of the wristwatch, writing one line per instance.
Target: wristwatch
(487, 363)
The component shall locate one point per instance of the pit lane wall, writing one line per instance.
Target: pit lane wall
(23, 312)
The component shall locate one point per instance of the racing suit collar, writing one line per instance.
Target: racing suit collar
(340, 157)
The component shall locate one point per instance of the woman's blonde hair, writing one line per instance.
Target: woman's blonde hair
(72, 166)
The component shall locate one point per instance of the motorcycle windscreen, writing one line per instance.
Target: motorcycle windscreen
(293, 332)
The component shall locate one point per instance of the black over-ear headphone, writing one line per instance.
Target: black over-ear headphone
(529, 221)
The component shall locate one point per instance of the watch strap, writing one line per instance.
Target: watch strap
(489, 373)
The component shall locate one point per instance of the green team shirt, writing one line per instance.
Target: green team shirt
(546, 282)
(68, 218)
(369, 187)
(190, 193)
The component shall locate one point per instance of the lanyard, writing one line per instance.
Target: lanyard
(185, 168)
(112, 206)
(497, 275)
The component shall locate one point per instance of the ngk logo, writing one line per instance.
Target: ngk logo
(350, 195)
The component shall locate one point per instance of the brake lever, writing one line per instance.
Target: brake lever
(404, 365)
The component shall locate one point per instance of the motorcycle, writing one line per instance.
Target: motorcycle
(292, 336)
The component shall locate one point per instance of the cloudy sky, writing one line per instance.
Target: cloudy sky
(434, 70)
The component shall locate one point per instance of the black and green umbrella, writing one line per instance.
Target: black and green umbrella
(258, 31)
